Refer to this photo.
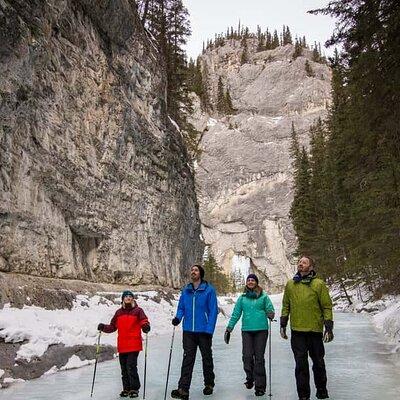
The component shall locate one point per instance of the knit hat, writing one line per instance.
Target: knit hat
(126, 293)
(252, 276)
(201, 269)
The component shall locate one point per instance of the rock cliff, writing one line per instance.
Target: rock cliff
(94, 179)
(244, 180)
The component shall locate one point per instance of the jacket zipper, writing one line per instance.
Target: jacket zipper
(194, 309)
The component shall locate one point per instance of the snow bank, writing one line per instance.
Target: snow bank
(78, 326)
(385, 312)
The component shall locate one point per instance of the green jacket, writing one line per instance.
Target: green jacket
(308, 304)
(254, 312)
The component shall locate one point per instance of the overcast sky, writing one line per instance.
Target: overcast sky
(214, 16)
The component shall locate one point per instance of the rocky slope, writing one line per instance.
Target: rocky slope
(244, 180)
(94, 179)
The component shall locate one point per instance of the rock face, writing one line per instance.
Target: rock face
(94, 180)
(244, 180)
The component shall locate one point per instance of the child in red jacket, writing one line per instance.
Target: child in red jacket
(129, 320)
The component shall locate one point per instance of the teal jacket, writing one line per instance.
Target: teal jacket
(254, 312)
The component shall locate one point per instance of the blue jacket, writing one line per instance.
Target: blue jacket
(198, 308)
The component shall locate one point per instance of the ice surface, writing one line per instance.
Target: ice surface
(359, 367)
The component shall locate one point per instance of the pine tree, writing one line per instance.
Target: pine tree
(220, 97)
(298, 50)
(309, 71)
(275, 40)
(245, 55)
(316, 55)
(286, 36)
(215, 275)
(268, 40)
(301, 211)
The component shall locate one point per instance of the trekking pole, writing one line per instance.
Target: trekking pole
(169, 363)
(95, 363)
(270, 358)
(145, 368)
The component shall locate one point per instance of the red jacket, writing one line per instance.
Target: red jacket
(129, 322)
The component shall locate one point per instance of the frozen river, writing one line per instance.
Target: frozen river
(358, 365)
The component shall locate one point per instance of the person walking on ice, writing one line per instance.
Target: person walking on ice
(255, 307)
(307, 302)
(198, 309)
(129, 320)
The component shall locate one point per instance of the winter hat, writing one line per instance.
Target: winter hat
(126, 293)
(252, 276)
(201, 269)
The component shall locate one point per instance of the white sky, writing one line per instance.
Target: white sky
(214, 16)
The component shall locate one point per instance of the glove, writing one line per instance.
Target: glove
(176, 321)
(284, 322)
(100, 327)
(283, 332)
(146, 328)
(227, 335)
(271, 315)
(328, 334)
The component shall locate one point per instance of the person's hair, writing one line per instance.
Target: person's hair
(310, 259)
(196, 265)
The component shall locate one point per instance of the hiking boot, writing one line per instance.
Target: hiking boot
(124, 393)
(208, 389)
(322, 394)
(180, 394)
(134, 393)
(259, 392)
(249, 384)
(304, 398)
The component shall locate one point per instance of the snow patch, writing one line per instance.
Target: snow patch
(51, 371)
(76, 362)
(11, 380)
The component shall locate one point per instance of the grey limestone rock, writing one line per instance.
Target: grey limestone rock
(94, 180)
(244, 175)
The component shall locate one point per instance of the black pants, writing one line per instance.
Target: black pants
(192, 340)
(306, 344)
(253, 350)
(130, 376)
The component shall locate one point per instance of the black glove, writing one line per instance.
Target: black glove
(284, 322)
(271, 315)
(227, 336)
(283, 332)
(100, 327)
(176, 321)
(146, 328)
(328, 334)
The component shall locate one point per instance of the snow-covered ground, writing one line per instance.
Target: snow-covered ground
(358, 367)
(39, 328)
(384, 313)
